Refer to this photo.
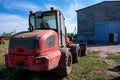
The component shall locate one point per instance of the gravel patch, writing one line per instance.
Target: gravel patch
(103, 51)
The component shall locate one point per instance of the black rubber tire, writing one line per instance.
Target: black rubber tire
(83, 53)
(75, 50)
(76, 55)
(65, 64)
(83, 49)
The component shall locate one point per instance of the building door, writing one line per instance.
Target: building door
(115, 37)
(111, 37)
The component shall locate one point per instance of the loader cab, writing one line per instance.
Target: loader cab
(49, 20)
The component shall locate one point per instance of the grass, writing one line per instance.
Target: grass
(114, 57)
(117, 59)
(90, 67)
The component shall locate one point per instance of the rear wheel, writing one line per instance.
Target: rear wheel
(83, 53)
(75, 50)
(83, 49)
(65, 64)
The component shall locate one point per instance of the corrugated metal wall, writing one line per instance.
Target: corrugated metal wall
(104, 29)
(87, 17)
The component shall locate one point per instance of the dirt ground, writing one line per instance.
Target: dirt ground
(105, 47)
(103, 50)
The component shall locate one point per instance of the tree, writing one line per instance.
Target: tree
(7, 35)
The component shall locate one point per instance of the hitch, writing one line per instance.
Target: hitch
(20, 64)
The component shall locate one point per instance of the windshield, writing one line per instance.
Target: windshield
(43, 22)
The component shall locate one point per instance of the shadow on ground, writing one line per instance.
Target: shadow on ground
(7, 73)
(117, 78)
(115, 69)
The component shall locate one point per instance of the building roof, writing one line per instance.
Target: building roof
(104, 2)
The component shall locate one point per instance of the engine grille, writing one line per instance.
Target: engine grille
(29, 43)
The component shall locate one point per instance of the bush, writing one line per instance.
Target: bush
(7, 35)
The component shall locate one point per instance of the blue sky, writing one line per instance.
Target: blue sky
(14, 13)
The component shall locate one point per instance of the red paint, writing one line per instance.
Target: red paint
(43, 39)
(45, 60)
(50, 61)
(68, 41)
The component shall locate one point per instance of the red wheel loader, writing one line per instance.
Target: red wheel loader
(44, 47)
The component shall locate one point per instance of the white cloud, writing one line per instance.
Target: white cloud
(20, 23)
(20, 5)
(71, 15)
(9, 22)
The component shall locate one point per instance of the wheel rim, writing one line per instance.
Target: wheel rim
(69, 64)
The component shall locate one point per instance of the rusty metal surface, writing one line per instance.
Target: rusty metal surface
(29, 34)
